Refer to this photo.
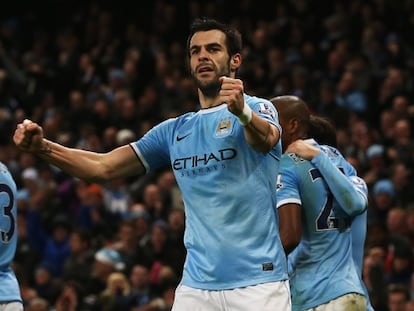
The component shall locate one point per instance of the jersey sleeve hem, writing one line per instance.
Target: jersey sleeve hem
(140, 157)
(288, 201)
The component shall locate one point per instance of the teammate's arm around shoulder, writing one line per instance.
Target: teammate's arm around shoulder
(87, 165)
(344, 188)
(303, 149)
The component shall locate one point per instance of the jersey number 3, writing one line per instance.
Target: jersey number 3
(7, 212)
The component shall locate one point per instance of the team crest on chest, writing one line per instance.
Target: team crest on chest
(223, 127)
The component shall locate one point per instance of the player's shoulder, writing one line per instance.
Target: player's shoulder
(3, 169)
(260, 105)
(290, 157)
(251, 99)
(290, 162)
(184, 117)
(177, 121)
(331, 152)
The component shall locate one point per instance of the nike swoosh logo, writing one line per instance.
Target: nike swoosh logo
(182, 137)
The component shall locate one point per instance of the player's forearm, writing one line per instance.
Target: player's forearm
(79, 163)
(260, 134)
(348, 197)
(290, 226)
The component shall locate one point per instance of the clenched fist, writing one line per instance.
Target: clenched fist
(28, 136)
(231, 93)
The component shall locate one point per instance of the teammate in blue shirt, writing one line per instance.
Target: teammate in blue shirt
(318, 189)
(324, 132)
(10, 298)
(225, 158)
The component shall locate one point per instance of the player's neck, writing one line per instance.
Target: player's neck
(207, 101)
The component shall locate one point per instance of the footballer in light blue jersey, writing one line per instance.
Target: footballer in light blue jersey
(322, 129)
(225, 158)
(227, 185)
(359, 232)
(321, 267)
(9, 287)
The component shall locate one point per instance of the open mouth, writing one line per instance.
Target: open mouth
(204, 69)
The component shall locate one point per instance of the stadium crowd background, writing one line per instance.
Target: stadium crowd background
(98, 74)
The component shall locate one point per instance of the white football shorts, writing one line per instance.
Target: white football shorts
(274, 296)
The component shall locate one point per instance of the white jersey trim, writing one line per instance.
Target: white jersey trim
(288, 201)
(140, 156)
(213, 109)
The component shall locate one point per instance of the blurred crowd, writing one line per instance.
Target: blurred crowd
(99, 74)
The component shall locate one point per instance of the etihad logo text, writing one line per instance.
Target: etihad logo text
(204, 159)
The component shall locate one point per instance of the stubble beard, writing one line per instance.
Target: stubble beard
(211, 88)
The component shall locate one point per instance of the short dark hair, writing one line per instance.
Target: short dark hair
(322, 130)
(233, 36)
(293, 107)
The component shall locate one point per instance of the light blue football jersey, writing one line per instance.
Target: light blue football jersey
(9, 287)
(232, 235)
(321, 267)
(359, 232)
(359, 229)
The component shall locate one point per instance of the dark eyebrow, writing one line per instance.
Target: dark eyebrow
(209, 45)
(194, 47)
(214, 45)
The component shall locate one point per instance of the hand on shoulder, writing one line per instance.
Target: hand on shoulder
(303, 149)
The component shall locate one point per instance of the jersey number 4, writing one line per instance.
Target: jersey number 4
(7, 212)
(325, 220)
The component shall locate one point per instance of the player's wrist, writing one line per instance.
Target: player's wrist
(316, 155)
(45, 147)
(314, 152)
(246, 116)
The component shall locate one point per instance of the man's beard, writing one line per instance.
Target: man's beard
(212, 88)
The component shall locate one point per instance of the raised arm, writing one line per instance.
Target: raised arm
(86, 165)
(346, 190)
(259, 133)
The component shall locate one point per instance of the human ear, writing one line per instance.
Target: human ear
(235, 62)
